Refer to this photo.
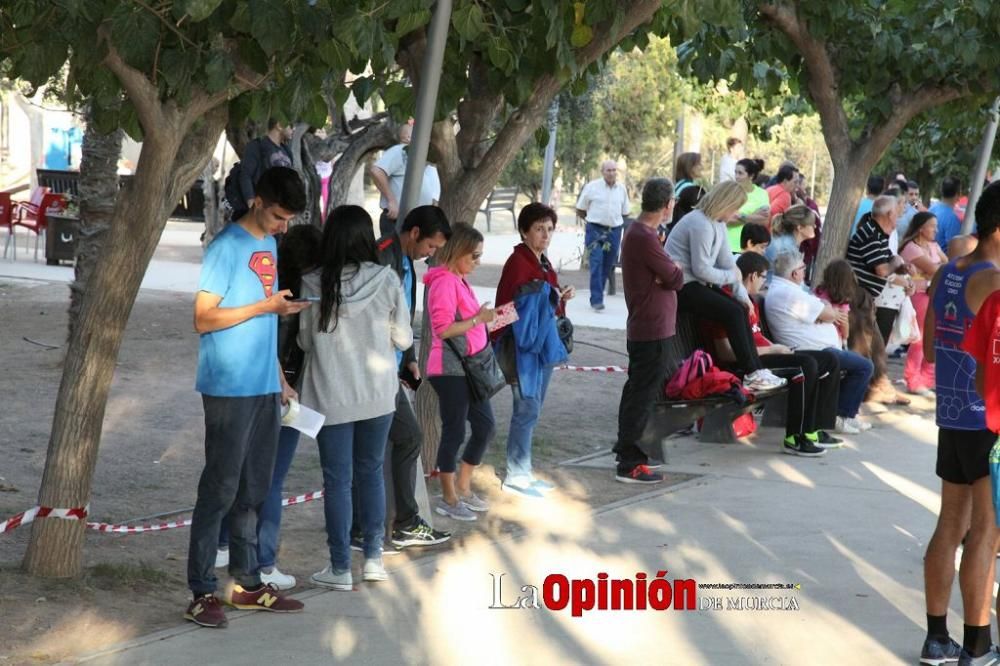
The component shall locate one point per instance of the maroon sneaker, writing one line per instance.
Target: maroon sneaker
(267, 598)
(638, 474)
(207, 611)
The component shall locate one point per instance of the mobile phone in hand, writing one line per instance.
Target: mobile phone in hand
(305, 299)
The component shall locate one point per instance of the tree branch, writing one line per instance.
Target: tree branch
(822, 76)
(145, 97)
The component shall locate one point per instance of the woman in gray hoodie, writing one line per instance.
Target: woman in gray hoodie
(350, 342)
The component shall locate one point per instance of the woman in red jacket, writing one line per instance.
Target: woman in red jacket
(528, 276)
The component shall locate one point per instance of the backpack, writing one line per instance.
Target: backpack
(231, 187)
(693, 367)
(698, 377)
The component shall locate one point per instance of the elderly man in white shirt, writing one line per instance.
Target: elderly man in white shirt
(603, 203)
(799, 320)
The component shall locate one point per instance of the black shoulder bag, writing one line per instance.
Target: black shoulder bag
(482, 372)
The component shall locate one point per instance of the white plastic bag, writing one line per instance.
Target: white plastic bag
(906, 328)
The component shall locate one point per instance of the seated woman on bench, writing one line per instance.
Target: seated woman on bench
(812, 400)
(700, 246)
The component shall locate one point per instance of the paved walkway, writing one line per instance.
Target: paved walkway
(182, 276)
(850, 529)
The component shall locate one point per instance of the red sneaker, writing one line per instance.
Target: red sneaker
(638, 474)
(207, 611)
(267, 598)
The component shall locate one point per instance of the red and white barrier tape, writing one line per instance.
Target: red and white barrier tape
(80, 513)
(594, 368)
(25, 517)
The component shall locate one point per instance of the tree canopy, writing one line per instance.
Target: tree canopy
(867, 66)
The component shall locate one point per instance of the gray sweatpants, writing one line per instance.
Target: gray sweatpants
(241, 441)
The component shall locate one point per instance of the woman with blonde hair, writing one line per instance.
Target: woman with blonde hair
(789, 230)
(458, 326)
(699, 245)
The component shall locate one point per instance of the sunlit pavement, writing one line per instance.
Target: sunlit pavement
(850, 529)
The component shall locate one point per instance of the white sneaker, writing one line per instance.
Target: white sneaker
(334, 579)
(374, 571)
(846, 427)
(281, 581)
(862, 426)
(221, 558)
(762, 380)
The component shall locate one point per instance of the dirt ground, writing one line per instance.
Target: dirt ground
(151, 455)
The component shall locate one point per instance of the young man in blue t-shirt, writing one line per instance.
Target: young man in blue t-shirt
(242, 387)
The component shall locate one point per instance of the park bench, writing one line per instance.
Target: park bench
(717, 412)
(501, 198)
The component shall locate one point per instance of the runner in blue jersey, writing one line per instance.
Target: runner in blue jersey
(957, 291)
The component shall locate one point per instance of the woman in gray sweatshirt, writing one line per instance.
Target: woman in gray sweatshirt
(350, 342)
(699, 245)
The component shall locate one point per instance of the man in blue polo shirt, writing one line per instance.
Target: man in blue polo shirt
(236, 312)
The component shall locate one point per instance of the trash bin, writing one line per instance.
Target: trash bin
(60, 238)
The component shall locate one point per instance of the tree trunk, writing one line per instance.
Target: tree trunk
(849, 178)
(167, 168)
(98, 193)
(363, 143)
(213, 202)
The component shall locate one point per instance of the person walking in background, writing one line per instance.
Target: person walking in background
(919, 248)
(350, 376)
(242, 387)
(949, 225)
(529, 281)
(602, 203)
(458, 327)
(650, 280)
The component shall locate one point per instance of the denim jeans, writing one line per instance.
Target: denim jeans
(522, 425)
(269, 514)
(456, 407)
(241, 438)
(858, 372)
(353, 450)
(602, 261)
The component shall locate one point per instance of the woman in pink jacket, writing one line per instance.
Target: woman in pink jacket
(456, 316)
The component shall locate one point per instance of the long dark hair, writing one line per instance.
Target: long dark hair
(298, 253)
(348, 240)
(916, 223)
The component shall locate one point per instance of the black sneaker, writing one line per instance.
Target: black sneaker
(799, 445)
(824, 440)
(638, 474)
(418, 534)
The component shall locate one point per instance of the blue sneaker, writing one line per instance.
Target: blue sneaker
(991, 658)
(935, 653)
(527, 491)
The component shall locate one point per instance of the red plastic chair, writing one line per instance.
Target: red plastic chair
(34, 218)
(7, 217)
(32, 204)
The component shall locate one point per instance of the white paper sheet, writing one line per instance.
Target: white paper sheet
(305, 420)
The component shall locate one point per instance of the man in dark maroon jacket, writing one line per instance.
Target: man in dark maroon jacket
(651, 281)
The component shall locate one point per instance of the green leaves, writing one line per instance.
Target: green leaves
(468, 21)
(199, 10)
(271, 25)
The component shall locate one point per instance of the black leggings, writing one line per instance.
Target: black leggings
(812, 402)
(884, 319)
(456, 408)
(711, 304)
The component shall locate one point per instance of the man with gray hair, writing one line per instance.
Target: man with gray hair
(650, 280)
(801, 321)
(602, 203)
(881, 273)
